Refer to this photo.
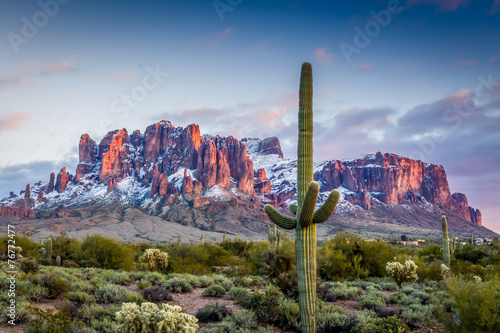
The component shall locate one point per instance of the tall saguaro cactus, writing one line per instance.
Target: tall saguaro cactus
(48, 248)
(306, 218)
(446, 243)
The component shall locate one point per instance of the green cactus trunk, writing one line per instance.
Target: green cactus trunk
(446, 243)
(306, 218)
(58, 261)
(201, 239)
(48, 248)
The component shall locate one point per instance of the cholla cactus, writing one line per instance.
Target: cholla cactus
(402, 273)
(148, 318)
(445, 271)
(154, 258)
(18, 250)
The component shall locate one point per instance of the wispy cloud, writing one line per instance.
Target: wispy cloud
(323, 57)
(495, 8)
(366, 67)
(461, 63)
(495, 58)
(444, 5)
(218, 37)
(13, 121)
(123, 76)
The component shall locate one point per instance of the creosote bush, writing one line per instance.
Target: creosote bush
(156, 294)
(214, 290)
(213, 312)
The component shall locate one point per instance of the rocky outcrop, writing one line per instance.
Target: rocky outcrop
(475, 216)
(50, 187)
(111, 184)
(27, 192)
(114, 151)
(62, 180)
(261, 183)
(270, 146)
(87, 150)
(61, 212)
(17, 212)
(40, 196)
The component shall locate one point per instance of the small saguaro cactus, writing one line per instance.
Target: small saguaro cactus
(452, 245)
(58, 261)
(274, 236)
(224, 238)
(201, 239)
(472, 239)
(48, 248)
(446, 243)
(179, 241)
(306, 217)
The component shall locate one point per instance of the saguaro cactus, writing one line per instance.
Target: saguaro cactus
(58, 261)
(202, 240)
(446, 243)
(274, 236)
(48, 248)
(306, 218)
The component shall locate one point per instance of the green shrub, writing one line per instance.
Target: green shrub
(333, 322)
(266, 305)
(222, 281)
(239, 322)
(98, 312)
(153, 278)
(134, 298)
(156, 294)
(178, 285)
(213, 312)
(332, 291)
(29, 266)
(370, 301)
(84, 286)
(37, 292)
(105, 325)
(121, 278)
(105, 252)
(80, 297)
(148, 318)
(54, 283)
(110, 293)
(53, 321)
(22, 312)
(205, 281)
(236, 293)
(214, 290)
(289, 314)
(381, 325)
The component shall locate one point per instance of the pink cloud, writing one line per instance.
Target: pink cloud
(36, 67)
(366, 67)
(444, 5)
(409, 64)
(217, 38)
(462, 63)
(495, 58)
(13, 121)
(123, 76)
(495, 8)
(322, 56)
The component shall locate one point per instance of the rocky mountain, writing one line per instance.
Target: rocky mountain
(219, 184)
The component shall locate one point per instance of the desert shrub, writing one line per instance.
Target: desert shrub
(417, 315)
(135, 298)
(370, 301)
(29, 266)
(266, 305)
(475, 306)
(37, 292)
(385, 312)
(153, 278)
(53, 282)
(110, 293)
(84, 286)
(290, 314)
(53, 321)
(178, 285)
(213, 312)
(121, 278)
(205, 281)
(105, 252)
(156, 294)
(22, 312)
(148, 318)
(223, 281)
(80, 297)
(193, 280)
(381, 325)
(30, 248)
(402, 273)
(390, 286)
(105, 325)
(240, 322)
(236, 293)
(214, 290)
(154, 258)
(333, 322)
(142, 284)
(98, 312)
(332, 291)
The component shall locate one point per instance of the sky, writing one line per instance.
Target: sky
(419, 78)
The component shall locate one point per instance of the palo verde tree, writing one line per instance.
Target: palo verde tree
(306, 217)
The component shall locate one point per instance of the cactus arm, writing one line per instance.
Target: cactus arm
(326, 210)
(281, 220)
(306, 213)
(293, 209)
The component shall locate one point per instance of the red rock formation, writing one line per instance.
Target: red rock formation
(40, 196)
(51, 183)
(114, 151)
(199, 201)
(61, 212)
(261, 184)
(163, 186)
(111, 184)
(270, 146)
(475, 216)
(187, 183)
(17, 212)
(27, 192)
(87, 153)
(62, 180)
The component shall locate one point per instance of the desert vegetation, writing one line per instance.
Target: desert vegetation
(248, 286)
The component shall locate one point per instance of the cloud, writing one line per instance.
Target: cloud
(218, 37)
(30, 71)
(123, 76)
(366, 67)
(13, 121)
(495, 58)
(461, 63)
(495, 8)
(409, 64)
(322, 56)
(444, 5)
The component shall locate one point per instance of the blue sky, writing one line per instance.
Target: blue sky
(418, 78)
